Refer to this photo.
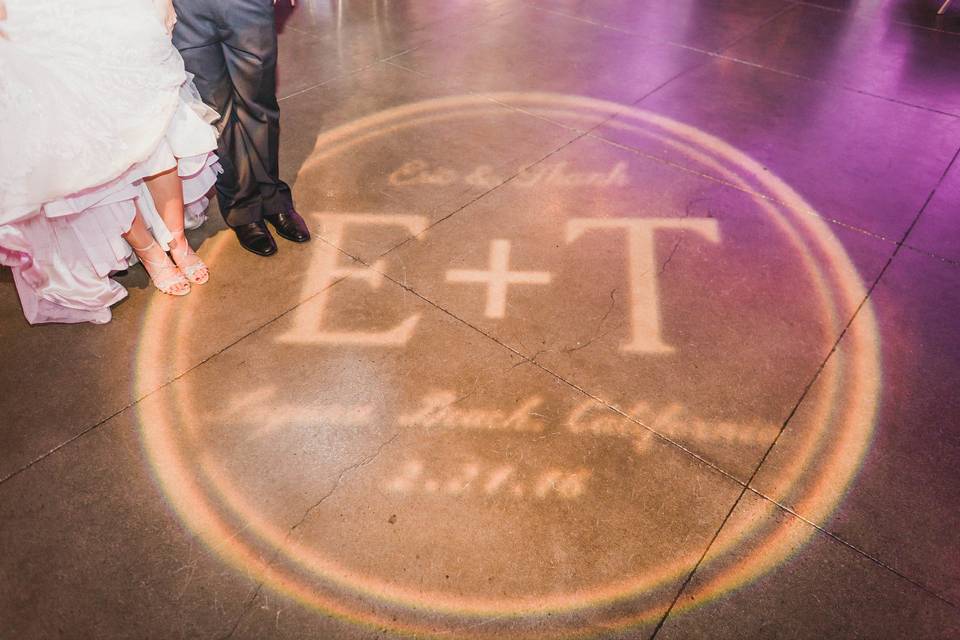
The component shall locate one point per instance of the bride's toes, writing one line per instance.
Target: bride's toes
(203, 275)
(172, 282)
(190, 264)
(178, 289)
(162, 271)
(196, 272)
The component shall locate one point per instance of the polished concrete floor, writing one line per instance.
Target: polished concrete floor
(622, 319)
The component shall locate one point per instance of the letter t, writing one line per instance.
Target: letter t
(641, 270)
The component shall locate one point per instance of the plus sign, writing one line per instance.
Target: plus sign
(498, 278)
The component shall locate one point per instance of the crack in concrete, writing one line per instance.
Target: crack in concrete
(597, 335)
(613, 303)
(340, 476)
(243, 612)
(336, 485)
(663, 267)
(587, 343)
(468, 394)
(533, 358)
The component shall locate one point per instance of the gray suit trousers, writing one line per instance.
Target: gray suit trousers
(231, 48)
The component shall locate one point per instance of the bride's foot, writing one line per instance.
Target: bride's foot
(189, 262)
(162, 271)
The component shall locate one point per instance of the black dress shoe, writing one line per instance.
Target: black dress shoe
(256, 238)
(289, 225)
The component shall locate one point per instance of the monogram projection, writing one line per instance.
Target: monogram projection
(590, 347)
(498, 277)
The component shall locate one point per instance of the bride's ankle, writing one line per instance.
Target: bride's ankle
(179, 243)
(150, 250)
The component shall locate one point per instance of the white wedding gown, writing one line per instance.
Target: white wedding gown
(93, 98)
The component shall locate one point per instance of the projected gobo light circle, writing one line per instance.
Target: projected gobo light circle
(211, 500)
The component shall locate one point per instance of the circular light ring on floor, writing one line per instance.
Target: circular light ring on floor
(208, 502)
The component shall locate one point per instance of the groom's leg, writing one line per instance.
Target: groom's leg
(250, 49)
(199, 37)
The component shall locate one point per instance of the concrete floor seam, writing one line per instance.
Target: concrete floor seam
(846, 543)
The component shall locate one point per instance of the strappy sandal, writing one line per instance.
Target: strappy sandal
(164, 274)
(189, 262)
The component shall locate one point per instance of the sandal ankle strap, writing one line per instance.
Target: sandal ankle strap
(146, 248)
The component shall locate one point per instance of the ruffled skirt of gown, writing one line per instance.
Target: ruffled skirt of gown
(93, 98)
(63, 255)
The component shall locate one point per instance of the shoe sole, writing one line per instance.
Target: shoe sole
(297, 240)
(286, 237)
(258, 253)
